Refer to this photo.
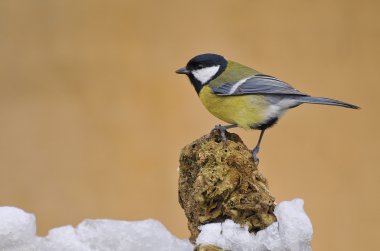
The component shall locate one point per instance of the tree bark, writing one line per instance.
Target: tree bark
(219, 180)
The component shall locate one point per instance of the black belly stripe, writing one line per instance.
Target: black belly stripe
(266, 124)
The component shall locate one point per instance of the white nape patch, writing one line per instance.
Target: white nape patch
(239, 83)
(205, 74)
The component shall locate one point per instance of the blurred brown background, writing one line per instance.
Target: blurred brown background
(92, 116)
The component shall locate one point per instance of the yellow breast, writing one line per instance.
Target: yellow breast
(245, 111)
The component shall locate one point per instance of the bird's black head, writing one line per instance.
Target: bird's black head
(203, 68)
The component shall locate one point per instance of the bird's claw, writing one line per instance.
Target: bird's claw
(255, 151)
(222, 130)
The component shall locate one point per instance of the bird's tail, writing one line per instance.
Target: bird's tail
(325, 101)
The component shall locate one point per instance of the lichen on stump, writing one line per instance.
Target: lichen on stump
(207, 247)
(219, 180)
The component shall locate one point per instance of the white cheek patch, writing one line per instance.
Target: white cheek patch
(205, 74)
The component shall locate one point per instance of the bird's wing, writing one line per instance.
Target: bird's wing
(257, 84)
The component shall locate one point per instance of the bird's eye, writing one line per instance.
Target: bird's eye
(200, 66)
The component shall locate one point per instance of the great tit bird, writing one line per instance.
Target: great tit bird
(244, 97)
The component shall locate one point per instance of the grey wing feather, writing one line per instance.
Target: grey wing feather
(257, 84)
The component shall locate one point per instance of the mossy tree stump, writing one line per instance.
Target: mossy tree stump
(219, 180)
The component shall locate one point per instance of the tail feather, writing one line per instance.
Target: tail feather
(325, 101)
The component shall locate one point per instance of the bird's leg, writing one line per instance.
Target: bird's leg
(223, 130)
(255, 150)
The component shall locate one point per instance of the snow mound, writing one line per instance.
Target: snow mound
(16, 227)
(18, 233)
(94, 235)
(292, 231)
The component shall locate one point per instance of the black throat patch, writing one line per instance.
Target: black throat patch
(198, 85)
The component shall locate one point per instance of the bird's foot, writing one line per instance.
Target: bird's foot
(222, 130)
(255, 151)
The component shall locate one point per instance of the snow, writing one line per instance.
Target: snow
(16, 227)
(18, 233)
(94, 235)
(293, 231)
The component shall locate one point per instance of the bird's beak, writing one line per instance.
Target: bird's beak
(183, 70)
